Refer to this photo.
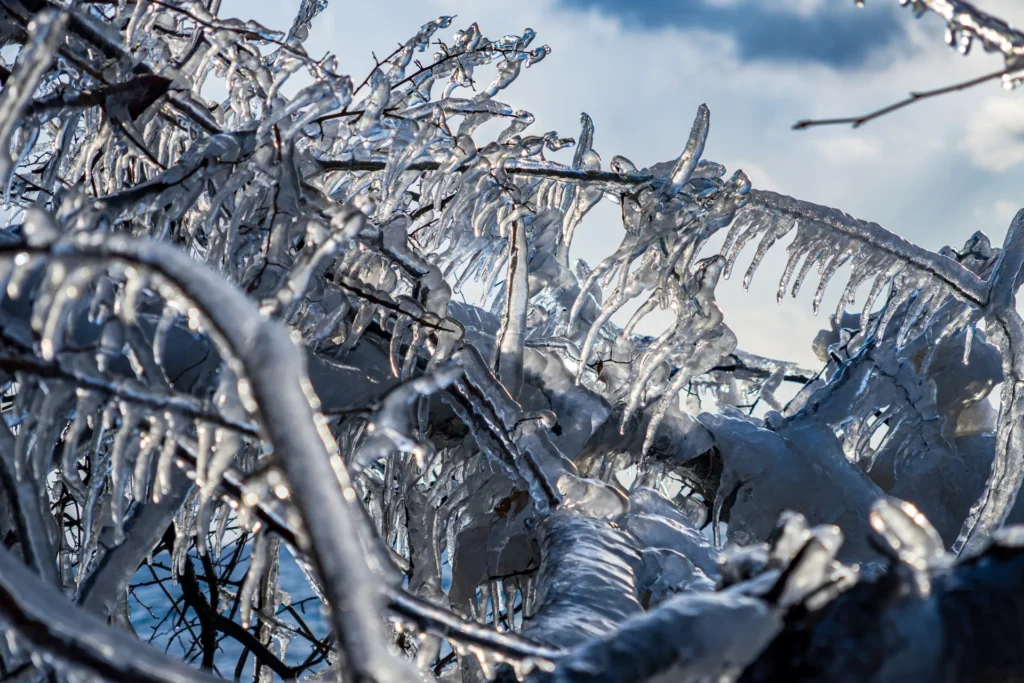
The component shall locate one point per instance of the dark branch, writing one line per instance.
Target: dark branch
(138, 93)
(510, 167)
(857, 121)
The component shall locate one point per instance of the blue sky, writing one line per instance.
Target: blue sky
(827, 33)
(934, 173)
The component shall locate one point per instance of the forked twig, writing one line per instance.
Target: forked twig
(857, 121)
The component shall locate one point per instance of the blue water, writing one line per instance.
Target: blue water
(172, 635)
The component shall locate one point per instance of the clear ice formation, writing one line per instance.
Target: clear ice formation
(309, 386)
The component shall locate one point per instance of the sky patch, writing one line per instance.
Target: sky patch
(835, 34)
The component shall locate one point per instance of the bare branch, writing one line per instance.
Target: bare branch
(858, 121)
(42, 616)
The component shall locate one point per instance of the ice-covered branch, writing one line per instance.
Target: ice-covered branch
(414, 611)
(1006, 328)
(685, 638)
(91, 32)
(548, 170)
(274, 368)
(952, 618)
(965, 23)
(28, 505)
(182, 404)
(752, 365)
(110, 577)
(773, 215)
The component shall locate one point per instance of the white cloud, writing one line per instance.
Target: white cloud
(848, 147)
(1003, 210)
(799, 7)
(994, 138)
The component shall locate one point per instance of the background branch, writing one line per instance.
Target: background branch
(857, 121)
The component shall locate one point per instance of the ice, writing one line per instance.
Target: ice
(257, 565)
(346, 321)
(34, 60)
(511, 337)
(881, 254)
(586, 581)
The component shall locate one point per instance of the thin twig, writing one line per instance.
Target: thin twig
(857, 121)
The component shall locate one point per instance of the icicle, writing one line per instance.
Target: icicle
(142, 476)
(222, 526)
(204, 447)
(85, 408)
(226, 445)
(126, 442)
(24, 267)
(184, 528)
(167, 319)
(511, 336)
(813, 567)
(257, 564)
(397, 335)
(92, 521)
(69, 290)
(165, 460)
(691, 154)
(968, 339)
(826, 271)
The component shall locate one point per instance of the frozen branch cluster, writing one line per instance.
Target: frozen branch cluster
(239, 394)
(966, 24)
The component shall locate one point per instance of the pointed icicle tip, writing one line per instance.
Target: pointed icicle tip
(691, 153)
(586, 141)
